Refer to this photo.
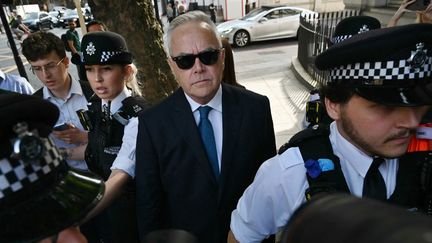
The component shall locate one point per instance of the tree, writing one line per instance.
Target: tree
(135, 20)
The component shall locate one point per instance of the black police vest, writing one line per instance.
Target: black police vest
(413, 182)
(105, 137)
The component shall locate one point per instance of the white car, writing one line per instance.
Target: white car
(264, 23)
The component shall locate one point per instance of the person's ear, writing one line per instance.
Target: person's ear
(66, 61)
(172, 65)
(333, 109)
(128, 70)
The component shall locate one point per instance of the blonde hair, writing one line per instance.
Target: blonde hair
(132, 82)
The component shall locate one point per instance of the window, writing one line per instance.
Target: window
(273, 14)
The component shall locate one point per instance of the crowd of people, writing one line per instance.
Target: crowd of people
(202, 165)
(174, 9)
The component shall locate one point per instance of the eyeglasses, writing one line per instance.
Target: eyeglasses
(49, 68)
(208, 57)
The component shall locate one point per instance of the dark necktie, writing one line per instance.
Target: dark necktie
(207, 136)
(374, 185)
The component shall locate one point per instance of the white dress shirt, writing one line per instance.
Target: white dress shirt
(215, 117)
(125, 159)
(75, 100)
(280, 184)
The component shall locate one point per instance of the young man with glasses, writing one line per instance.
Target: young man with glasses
(198, 149)
(47, 56)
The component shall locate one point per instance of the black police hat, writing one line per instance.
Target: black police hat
(353, 25)
(390, 66)
(105, 47)
(39, 195)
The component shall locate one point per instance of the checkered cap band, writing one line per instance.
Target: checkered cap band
(340, 38)
(389, 70)
(16, 175)
(106, 55)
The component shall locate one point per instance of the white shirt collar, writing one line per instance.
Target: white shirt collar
(74, 89)
(349, 153)
(215, 103)
(116, 103)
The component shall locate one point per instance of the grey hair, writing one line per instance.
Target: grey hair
(191, 16)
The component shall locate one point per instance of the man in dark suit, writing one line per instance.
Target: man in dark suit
(184, 179)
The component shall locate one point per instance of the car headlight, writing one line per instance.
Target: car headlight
(226, 31)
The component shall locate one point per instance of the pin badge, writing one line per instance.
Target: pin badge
(363, 29)
(90, 49)
(28, 146)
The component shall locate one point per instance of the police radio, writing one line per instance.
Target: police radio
(85, 119)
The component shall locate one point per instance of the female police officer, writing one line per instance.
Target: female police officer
(112, 124)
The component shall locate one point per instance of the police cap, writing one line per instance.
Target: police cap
(105, 47)
(390, 66)
(353, 25)
(39, 194)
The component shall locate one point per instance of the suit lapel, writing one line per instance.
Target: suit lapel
(231, 119)
(185, 123)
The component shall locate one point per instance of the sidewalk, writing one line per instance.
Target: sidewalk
(267, 70)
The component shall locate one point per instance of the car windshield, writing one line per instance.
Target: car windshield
(252, 14)
(33, 15)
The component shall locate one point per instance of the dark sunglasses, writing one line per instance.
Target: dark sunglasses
(187, 61)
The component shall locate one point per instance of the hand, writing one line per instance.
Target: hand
(400, 12)
(426, 15)
(72, 135)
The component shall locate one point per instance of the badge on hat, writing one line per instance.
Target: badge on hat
(363, 29)
(28, 147)
(90, 49)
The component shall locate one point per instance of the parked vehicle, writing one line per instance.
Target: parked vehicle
(264, 23)
(37, 20)
(73, 14)
(62, 9)
(55, 17)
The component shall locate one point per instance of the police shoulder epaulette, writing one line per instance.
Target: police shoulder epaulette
(132, 106)
(306, 134)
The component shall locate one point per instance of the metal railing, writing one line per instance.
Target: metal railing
(313, 37)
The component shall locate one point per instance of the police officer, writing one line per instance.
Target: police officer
(112, 123)
(379, 90)
(39, 194)
(346, 28)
